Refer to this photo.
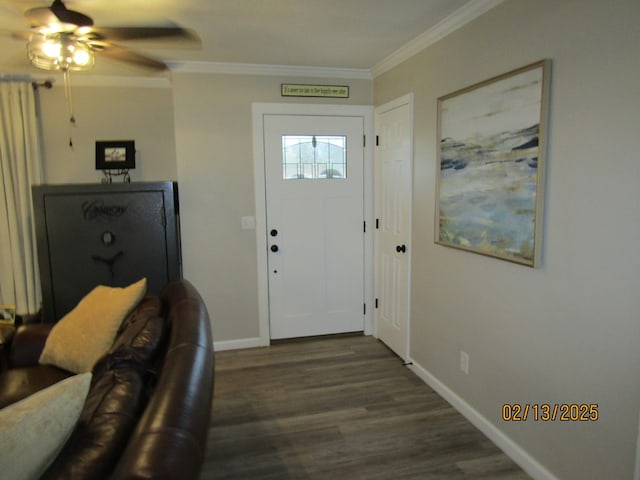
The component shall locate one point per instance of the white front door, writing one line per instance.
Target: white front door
(393, 171)
(314, 203)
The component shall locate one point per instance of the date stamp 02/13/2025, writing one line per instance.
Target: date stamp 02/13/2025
(550, 412)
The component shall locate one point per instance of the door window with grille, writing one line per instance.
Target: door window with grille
(314, 157)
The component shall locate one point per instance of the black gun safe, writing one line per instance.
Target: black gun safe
(104, 234)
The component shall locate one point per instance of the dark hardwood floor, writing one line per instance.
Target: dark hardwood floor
(338, 408)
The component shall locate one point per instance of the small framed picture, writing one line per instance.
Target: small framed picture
(115, 155)
(7, 314)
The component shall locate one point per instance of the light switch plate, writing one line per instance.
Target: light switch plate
(248, 223)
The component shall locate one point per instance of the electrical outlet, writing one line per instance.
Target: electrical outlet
(464, 362)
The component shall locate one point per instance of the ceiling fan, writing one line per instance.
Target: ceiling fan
(64, 39)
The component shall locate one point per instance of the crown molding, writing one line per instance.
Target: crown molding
(80, 80)
(465, 14)
(270, 70)
(90, 80)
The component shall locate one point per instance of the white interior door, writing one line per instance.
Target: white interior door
(393, 190)
(315, 201)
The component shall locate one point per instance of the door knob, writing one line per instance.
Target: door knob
(401, 248)
(274, 248)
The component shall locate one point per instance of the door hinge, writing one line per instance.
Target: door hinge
(376, 304)
(377, 141)
(364, 229)
(364, 140)
(377, 223)
(364, 309)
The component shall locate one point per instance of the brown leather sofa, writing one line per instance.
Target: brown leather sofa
(147, 412)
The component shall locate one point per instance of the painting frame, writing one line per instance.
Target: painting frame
(490, 165)
(115, 155)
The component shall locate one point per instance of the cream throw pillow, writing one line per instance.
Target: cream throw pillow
(86, 333)
(34, 430)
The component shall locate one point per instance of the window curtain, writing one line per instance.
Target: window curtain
(20, 167)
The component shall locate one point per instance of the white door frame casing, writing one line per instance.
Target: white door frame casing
(259, 110)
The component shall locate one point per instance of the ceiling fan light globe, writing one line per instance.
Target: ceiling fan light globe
(51, 48)
(55, 28)
(82, 58)
(59, 52)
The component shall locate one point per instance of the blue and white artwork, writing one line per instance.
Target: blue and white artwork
(491, 165)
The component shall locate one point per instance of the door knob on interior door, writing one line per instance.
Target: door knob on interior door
(401, 248)
(274, 248)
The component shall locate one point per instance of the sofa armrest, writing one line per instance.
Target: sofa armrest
(170, 438)
(28, 343)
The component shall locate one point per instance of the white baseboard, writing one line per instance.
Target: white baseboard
(508, 446)
(240, 343)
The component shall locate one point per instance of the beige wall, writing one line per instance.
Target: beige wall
(107, 113)
(215, 171)
(214, 166)
(569, 331)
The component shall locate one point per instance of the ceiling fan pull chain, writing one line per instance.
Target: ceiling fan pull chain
(67, 95)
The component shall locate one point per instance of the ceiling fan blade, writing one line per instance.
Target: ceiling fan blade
(142, 33)
(22, 35)
(70, 16)
(56, 13)
(122, 54)
(16, 35)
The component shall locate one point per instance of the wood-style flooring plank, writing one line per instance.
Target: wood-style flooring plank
(338, 408)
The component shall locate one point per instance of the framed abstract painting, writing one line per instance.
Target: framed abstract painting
(490, 165)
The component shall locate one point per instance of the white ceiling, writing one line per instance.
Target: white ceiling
(345, 34)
